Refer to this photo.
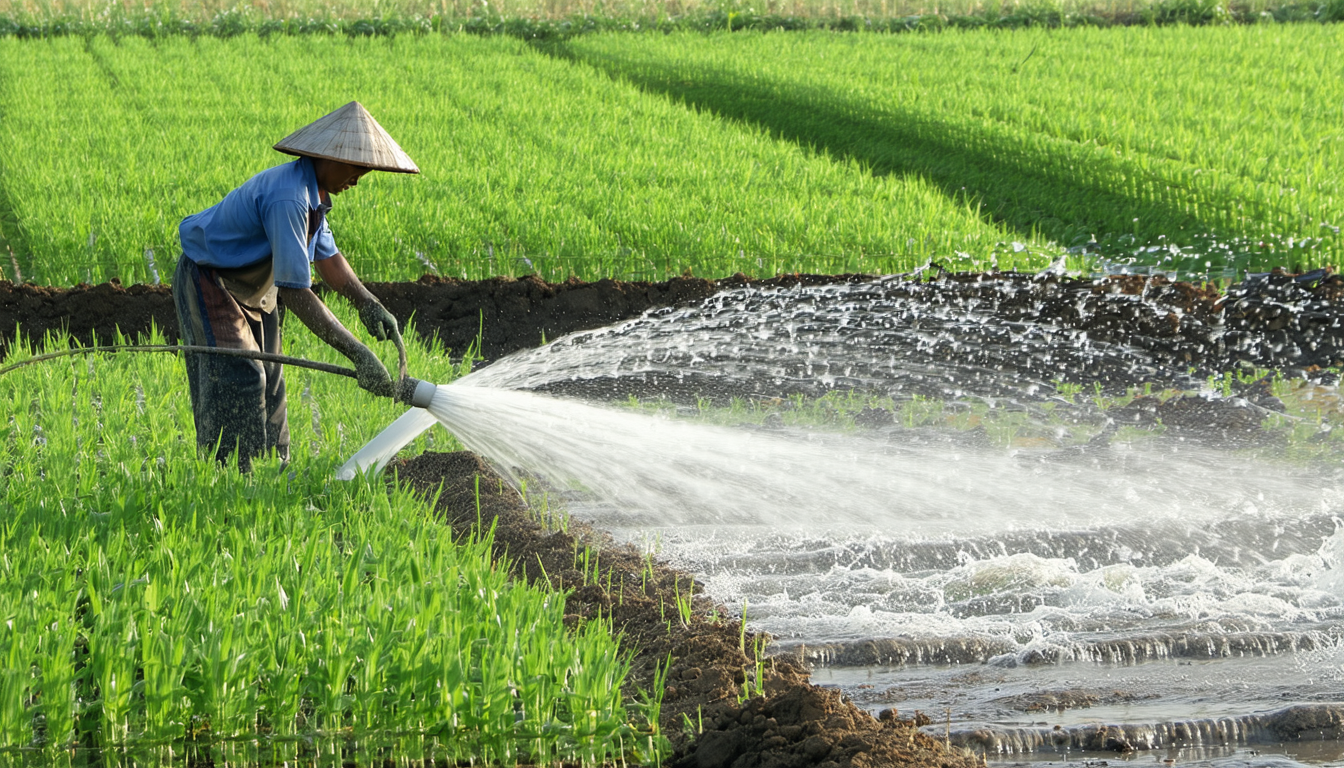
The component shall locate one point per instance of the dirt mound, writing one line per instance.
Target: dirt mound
(510, 314)
(1275, 320)
(87, 312)
(495, 316)
(786, 723)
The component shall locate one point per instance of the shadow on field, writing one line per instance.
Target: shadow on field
(1009, 184)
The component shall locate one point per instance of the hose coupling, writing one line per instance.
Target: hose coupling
(415, 392)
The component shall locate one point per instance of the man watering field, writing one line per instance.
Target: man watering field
(249, 259)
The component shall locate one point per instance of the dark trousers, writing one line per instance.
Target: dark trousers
(239, 404)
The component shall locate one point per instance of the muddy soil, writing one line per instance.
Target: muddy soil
(1275, 320)
(789, 724)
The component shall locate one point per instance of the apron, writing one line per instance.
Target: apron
(252, 286)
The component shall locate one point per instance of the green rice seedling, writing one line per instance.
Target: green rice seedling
(55, 655)
(334, 654)
(163, 653)
(179, 606)
(688, 726)
(759, 658)
(596, 576)
(742, 629)
(15, 719)
(754, 684)
(653, 741)
(647, 572)
(684, 610)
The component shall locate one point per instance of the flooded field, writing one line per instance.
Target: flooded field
(1197, 708)
(1183, 588)
(1030, 653)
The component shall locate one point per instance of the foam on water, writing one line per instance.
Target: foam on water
(1327, 570)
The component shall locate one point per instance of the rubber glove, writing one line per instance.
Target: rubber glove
(371, 374)
(378, 321)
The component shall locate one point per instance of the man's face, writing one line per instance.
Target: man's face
(335, 177)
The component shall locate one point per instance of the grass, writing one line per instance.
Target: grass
(154, 605)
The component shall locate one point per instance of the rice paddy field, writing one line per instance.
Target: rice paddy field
(149, 601)
(645, 156)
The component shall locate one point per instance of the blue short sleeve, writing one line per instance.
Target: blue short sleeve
(325, 247)
(286, 225)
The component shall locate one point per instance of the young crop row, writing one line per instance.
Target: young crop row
(1221, 142)
(530, 164)
(151, 603)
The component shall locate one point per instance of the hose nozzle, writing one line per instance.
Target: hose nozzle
(414, 392)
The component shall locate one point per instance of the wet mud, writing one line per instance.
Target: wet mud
(782, 722)
(1073, 698)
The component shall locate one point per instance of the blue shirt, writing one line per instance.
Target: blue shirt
(278, 214)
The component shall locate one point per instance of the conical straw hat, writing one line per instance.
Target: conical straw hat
(349, 135)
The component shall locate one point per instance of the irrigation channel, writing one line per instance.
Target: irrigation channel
(1097, 592)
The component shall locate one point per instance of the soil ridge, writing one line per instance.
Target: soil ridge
(785, 723)
(1272, 320)
(492, 317)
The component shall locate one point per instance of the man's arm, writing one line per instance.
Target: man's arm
(286, 223)
(337, 274)
(305, 305)
(309, 308)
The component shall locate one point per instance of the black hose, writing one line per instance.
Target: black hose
(265, 357)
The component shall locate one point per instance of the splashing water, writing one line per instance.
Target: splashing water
(902, 551)
(887, 336)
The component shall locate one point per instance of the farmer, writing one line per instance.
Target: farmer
(247, 260)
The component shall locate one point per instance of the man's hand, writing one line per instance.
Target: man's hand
(372, 375)
(378, 321)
